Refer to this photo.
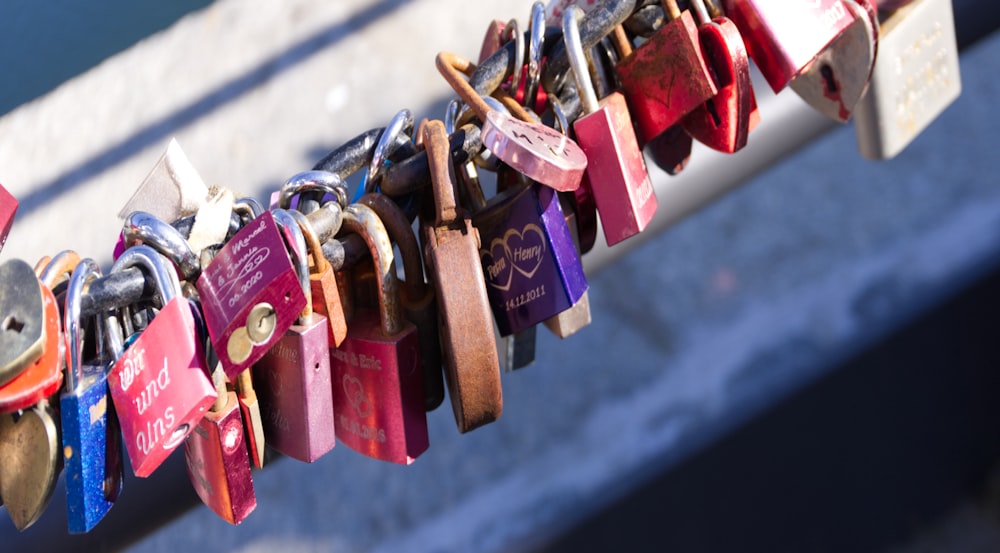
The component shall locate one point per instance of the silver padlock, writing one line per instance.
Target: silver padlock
(837, 79)
(916, 77)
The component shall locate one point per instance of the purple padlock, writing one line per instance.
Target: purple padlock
(250, 294)
(532, 268)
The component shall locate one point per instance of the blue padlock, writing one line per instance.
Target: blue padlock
(91, 442)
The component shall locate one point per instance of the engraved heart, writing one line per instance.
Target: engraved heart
(527, 249)
(496, 265)
(355, 393)
(29, 454)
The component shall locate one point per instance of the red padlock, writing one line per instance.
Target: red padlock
(377, 381)
(667, 76)
(8, 209)
(616, 170)
(160, 384)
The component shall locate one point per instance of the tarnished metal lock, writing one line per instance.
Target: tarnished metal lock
(616, 170)
(29, 462)
(217, 459)
(538, 151)
(783, 38)
(293, 377)
(418, 299)
(144, 228)
(723, 122)
(451, 251)
(838, 77)
(531, 265)
(377, 382)
(8, 209)
(667, 76)
(160, 385)
(916, 77)
(91, 446)
(250, 294)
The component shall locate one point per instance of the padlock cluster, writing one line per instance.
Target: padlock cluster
(226, 327)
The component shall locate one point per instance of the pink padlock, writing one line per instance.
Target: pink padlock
(160, 384)
(8, 208)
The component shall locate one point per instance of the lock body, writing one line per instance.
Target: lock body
(783, 38)
(377, 391)
(294, 392)
(160, 387)
(916, 77)
(218, 463)
(252, 273)
(8, 209)
(529, 260)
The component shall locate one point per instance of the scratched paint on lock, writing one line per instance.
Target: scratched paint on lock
(253, 267)
(521, 262)
(160, 388)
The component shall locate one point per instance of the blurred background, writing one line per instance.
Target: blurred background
(801, 356)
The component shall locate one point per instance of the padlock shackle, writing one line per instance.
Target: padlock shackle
(400, 232)
(536, 53)
(399, 126)
(701, 14)
(579, 65)
(248, 207)
(455, 69)
(512, 31)
(442, 177)
(362, 220)
(295, 242)
(86, 271)
(312, 181)
(63, 264)
(165, 278)
(143, 228)
(313, 245)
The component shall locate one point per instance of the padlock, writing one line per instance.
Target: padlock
(298, 191)
(8, 210)
(723, 121)
(401, 125)
(532, 268)
(22, 329)
(574, 319)
(91, 447)
(616, 170)
(783, 38)
(323, 288)
(253, 419)
(667, 76)
(29, 462)
(451, 252)
(916, 77)
(838, 77)
(418, 299)
(293, 378)
(538, 151)
(377, 381)
(250, 294)
(160, 384)
(43, 377)
(497, 34)
(217, 459)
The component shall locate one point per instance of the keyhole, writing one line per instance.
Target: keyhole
(11, 323)
(831, 82)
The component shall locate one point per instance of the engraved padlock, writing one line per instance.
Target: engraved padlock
(667, 76)
(377, 381)
(616, 171)
(783, 38)
(217, 459)
(532, 268)
(160, 384)
(250, 294)
(293, 377)
(91, 446)
(916, 77)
